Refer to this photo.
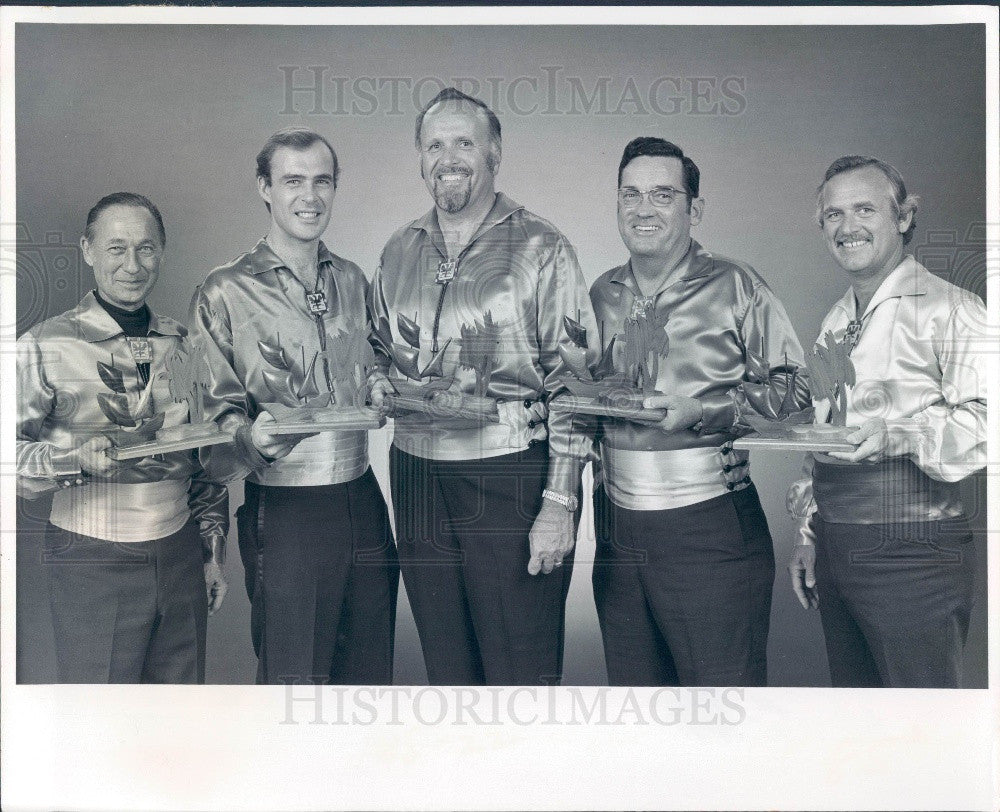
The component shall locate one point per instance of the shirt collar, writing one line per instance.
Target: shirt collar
(503, 207)
(909, 278)
(96, 324)
(262, 258)
(697, 262)
(700, 262)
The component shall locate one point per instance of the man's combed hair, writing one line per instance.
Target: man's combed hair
(294, 138)
(124, 199)
(661, 148)
(902, 202)
(453, 94)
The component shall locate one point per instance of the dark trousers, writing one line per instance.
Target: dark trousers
(462, 529)
(895, 601)
(684, 595)
(127, 612)
(322, 578)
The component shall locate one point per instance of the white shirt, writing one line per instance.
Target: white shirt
(920, 363)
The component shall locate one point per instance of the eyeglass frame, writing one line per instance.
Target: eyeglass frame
(648, 194)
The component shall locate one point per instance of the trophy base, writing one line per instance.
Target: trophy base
(311, 420)
(200, 436)
(187, 432)
(798, 438)
(631, 410)
(450, 406)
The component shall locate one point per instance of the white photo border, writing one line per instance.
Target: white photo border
(236, 747)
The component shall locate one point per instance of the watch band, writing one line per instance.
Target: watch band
(570, 502)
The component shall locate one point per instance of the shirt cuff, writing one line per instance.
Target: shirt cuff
(61, 470)
(805, 535)
(249, 452)
(64, 463)
(564, 474)
(213, 546)
(718, 417)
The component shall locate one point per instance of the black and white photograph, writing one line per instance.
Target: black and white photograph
(499, 408)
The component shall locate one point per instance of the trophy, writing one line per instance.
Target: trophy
(427, 390)
(776, 423)
(343, 363)
(609, 392)
(140, 431)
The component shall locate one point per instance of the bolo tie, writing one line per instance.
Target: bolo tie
(142, 355)
(446, 272)
(852, 335)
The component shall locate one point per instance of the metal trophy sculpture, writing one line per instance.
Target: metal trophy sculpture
(607, 391)
(140, 431)
(831, 372)
(300, 406)
(427, 390)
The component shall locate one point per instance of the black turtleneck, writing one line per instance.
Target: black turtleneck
(134, 323)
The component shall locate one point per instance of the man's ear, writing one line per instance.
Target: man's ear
(697, 209)
(905, 218)
(907, 211)
(264, 189)
(88, 255)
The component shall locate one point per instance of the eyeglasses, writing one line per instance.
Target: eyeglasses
(661, 196)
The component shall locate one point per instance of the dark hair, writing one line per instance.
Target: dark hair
(661, 148)
(456, 95)
(123, 199)
(296, 138)
(902, 202)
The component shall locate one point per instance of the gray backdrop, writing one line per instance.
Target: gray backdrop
(178, 113)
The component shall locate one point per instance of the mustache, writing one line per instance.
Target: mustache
(452, 170)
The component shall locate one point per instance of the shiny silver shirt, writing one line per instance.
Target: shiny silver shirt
(715, 309)
(921, 364)
(522, 271)
(57, 411)
(256, 298)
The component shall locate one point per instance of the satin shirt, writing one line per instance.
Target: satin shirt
(920, 363)
(256, 298)
(57, 408)
(522, 271)
(715, 310)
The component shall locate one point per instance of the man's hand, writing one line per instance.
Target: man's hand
(215, 586)
(93, 459)
(273, 446)
(379, 388)
(682, 412)
(551, 537)
(802, 568)
(875, 443)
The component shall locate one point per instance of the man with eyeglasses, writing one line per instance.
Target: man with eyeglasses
(484, 513)
(684, 566)
(885, 548)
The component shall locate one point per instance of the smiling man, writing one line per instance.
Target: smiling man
(484, 513)
(885, 550)
(684, 566)
(133, 551)
(314, 532)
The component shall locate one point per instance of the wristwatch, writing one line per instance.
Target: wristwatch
(568, 501)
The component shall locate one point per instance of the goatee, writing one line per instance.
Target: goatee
(452, 200)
